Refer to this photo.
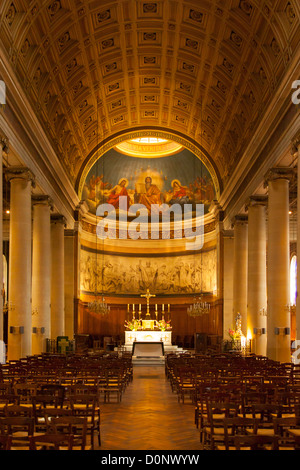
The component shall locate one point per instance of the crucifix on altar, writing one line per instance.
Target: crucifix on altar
(148, 323)
(148, 297)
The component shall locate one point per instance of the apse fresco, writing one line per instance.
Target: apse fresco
(164, 275)
(175, 179)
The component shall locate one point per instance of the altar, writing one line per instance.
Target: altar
(148, 336)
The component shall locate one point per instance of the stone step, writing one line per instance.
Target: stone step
(148, 361)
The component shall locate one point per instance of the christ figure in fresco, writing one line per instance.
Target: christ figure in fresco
(116, 192)
(151, 196)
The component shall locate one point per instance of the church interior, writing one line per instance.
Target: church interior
(148, 217)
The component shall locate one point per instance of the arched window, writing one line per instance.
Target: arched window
(293, 280)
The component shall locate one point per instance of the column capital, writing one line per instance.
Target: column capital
(42, 199)
(256, 201)
(277, 173)
(21, 172)
(216, 210)
(239, 219)
(70, 232)
(295, 144)
(58, 219)
(81, 209)
(4, 143)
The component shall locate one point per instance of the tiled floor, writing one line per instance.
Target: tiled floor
(149, 416)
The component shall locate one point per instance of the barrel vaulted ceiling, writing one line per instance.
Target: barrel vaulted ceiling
(203, 69)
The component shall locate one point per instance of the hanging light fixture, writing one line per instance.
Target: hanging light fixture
(98, 305)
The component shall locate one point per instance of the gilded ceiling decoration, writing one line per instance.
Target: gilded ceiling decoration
(203, 69)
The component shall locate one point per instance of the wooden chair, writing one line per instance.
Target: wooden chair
(237, 426)
(19, 428)
(40, 403)
(201, 412)
(282, 426)
(18, 410)
(265, 413)
(72, 425)
(25, 391)
(51, 442)
(57, 390)
(186, 384)
(213, 432)
(256, 442)
(87, 406)
(5, 389)
(113, 385)
(5, 442)
(79, 390)
(287, 400)
(6, 400)
(249, 399)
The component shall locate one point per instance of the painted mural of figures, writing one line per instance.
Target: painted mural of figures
(96, 184)
(162, 279)
(179, 194)
(209, 192)
(151, 196)
(121, 274)
(147, 275)
(117, 191)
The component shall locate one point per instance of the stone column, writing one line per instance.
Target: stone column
(278, 319)
(296, 152)
(240, 269)
(69, 282)
(4, 150)
(228, 241)
(257, 275)
(41, 273)
(218, 214)
(20, 314)
(57, 276)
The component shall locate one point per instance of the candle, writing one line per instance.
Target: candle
(155, 307)
(163, 307)
(169, 308)
(127, 307)
(133, 307)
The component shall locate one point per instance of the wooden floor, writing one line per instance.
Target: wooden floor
(149, 416)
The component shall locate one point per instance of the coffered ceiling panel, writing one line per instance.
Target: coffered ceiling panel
(207, 69)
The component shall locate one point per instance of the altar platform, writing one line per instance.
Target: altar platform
(150, 336)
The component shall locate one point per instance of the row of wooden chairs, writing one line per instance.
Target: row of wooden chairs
(42, 417)
(110, 377)
(69, 432)
(187, 375)
(239, 399)
(223, 423)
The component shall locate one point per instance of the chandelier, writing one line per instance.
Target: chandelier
(99, 306)
(198, 308)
